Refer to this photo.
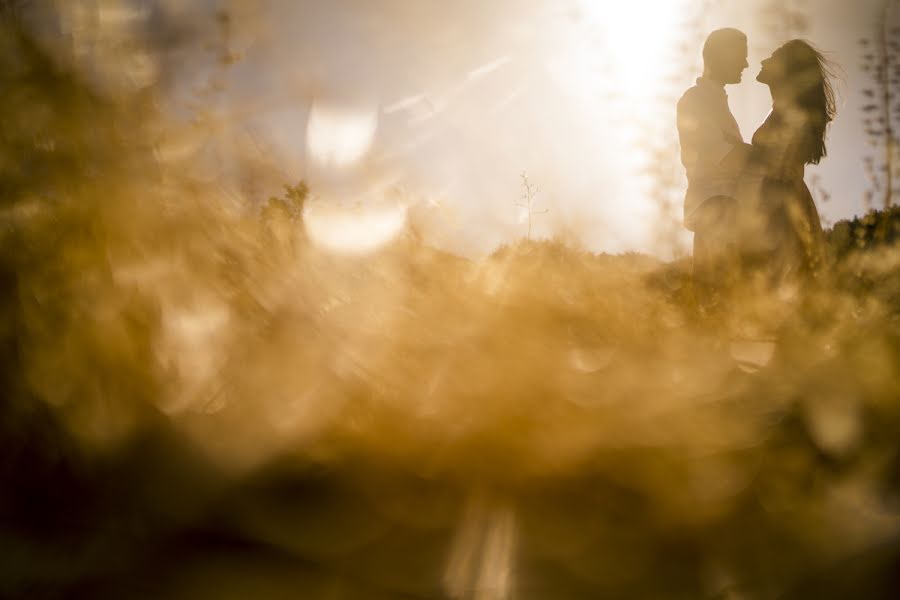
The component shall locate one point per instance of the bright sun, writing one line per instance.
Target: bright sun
(611, 62)
(615, 60)
(639, 38)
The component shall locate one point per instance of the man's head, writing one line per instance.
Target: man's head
(725, 56)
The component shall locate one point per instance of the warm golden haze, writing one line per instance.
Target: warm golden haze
(229, 376)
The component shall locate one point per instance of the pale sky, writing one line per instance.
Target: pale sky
(449, 102)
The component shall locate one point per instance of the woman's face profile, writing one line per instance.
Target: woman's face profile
(773, 68)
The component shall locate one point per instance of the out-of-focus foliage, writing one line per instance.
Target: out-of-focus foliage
(198, 402)
(876, 228)
(881, 106)
(785, 20)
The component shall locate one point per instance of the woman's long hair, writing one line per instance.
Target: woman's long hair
(808, 79)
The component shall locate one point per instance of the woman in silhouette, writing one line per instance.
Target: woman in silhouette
(781, 227)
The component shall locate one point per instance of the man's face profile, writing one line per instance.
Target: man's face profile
(728, 59)
(734, 61)
(740, 62)
(773, 68)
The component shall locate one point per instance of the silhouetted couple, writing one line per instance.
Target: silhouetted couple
(747, 204)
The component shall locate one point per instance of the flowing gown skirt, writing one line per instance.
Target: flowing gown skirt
(779, 226)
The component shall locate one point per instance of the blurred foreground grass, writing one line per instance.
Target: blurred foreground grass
(198, 402)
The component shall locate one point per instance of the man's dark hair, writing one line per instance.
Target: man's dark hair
(721, 39)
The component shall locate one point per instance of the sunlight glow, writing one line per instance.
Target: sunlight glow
(481, 559)
(618, 50)
(353, 230)
(613, 62)
(191, 348)
(639, 36)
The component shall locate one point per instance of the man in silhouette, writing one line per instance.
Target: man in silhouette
(711, 147)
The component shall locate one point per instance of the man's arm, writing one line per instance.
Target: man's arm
(700, 133)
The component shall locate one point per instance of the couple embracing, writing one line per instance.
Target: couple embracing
(747, 204)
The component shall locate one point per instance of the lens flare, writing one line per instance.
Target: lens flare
(353, 230)
(339, 137)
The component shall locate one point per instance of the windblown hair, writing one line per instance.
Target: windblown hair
(810, 74)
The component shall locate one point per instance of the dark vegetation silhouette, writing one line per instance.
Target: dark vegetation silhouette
(875, 229)
(197, 402)
(881, 62)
